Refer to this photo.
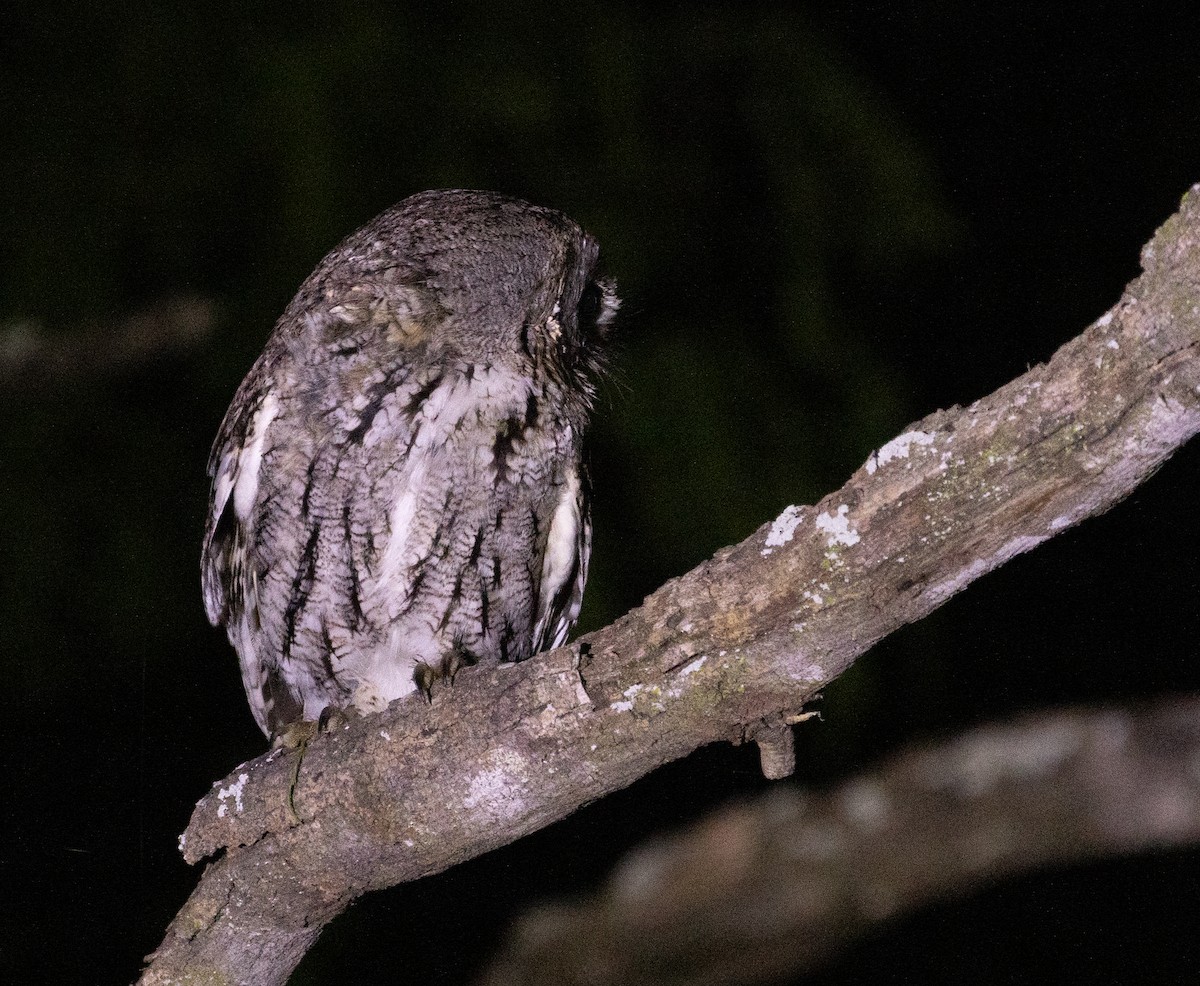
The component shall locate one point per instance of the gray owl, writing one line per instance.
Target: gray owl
(397, 486)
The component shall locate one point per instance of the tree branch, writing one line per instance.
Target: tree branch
(31, 358)
(727, 652)
(762, 892)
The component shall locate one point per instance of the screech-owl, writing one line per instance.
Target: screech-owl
(397, 487)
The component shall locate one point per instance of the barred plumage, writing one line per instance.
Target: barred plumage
(397, 485)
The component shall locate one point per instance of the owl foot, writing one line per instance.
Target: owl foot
(295, 735)
(425, 675)
(333, 718)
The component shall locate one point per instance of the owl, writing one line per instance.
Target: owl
(397, 487)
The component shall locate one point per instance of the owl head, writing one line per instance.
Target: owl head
(472, 277)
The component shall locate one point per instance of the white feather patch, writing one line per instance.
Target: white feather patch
(249, 459)
(559, 562)
(400, 522)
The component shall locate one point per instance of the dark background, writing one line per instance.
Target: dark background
(826, 221)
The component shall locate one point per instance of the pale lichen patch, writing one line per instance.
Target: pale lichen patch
(495, 790)
(677, 691)
(233, 791)
(630, 693)
(782, 530)
(837, 528)
(801, 668)
(898, 448)
(645, 698)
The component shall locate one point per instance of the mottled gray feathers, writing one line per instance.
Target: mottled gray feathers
(397, 486)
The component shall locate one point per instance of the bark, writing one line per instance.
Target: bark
(730, 651)
(762, 892)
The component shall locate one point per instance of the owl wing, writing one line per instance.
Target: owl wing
(229, 581)
(564, 564)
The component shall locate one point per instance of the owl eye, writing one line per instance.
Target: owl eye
(590, 302)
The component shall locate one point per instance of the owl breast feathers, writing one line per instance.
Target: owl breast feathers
(397, 486)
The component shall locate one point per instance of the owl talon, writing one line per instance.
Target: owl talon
(333, 718)
(295, 735)
(424, 676)
(455, 659)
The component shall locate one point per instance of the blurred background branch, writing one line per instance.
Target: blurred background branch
(763, 891)
(32, 358)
